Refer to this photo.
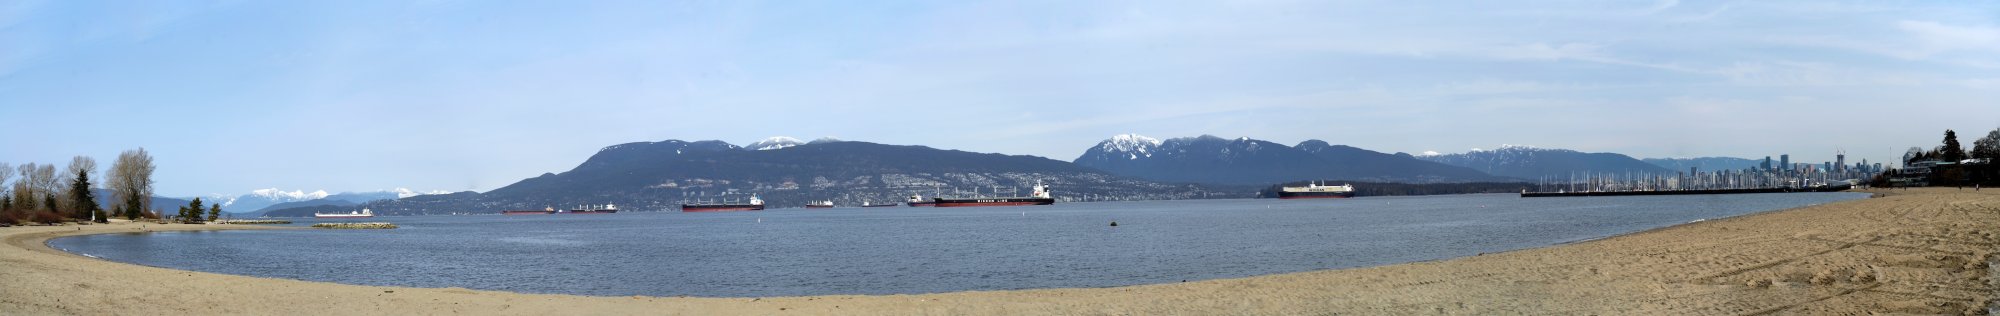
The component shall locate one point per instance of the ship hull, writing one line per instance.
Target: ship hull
(881, 205)
(819, 206)
(1315, 195)
(592, 212)
(921, 204)
(341, 216)
(720, 208)
(942, 202)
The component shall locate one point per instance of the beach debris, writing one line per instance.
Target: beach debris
(1114, 223)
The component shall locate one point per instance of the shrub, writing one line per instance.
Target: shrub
(48, 217)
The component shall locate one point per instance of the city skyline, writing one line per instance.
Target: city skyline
(362, 96)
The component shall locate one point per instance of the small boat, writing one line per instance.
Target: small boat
(363, 213)
(866, 204)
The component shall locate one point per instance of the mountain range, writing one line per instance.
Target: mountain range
(269, 199)
(786, 172)
(658, 176)
(1246, 161)
(1526, 162)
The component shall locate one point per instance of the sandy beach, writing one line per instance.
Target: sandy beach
(1923, 251)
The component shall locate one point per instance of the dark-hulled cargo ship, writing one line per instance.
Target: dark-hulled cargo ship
(1040, 196)
(755, 204)
(1316, 191)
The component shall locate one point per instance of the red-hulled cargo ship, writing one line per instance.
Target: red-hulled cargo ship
(755, 204)
(1040, 196)
(1316, 191)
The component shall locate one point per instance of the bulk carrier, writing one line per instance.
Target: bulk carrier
(1317, 191)
(1040, 196)
(755, 204)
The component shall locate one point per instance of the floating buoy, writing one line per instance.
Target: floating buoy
(1114, 223)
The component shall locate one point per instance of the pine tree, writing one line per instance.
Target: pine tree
(1951, 151)
(214, 211)
(131, 207)
(192, 212)
(49, 202)
(84, 201)
(6, 203)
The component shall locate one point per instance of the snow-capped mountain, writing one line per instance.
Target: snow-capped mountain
(777, 142)
(1133, 146)
(1210, 159)
(823, 140)
(1529, 162)
(261, 199)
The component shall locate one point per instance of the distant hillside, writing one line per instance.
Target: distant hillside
(1245, 161)
(1705, 163)
(1533, 163)
(169, 205)
(658, 176)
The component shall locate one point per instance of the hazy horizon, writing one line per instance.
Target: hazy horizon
(361, 95)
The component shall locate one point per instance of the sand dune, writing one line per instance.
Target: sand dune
(1926, 251)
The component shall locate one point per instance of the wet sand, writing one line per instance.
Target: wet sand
(1925, 251)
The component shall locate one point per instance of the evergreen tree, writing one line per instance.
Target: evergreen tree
(214, 211)
(6, 204)
(1951, 151)
(192, 212)
(49, 202)
(81, 197)
(100, 216)
(131, 207)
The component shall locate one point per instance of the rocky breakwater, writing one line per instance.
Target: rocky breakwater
(377, 225)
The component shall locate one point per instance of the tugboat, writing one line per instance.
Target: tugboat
(1040, 196)
(755, 204)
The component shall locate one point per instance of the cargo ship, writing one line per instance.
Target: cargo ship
(1040, 196)
(545, 211)
(592, 209)
(363, 213)
(820, 204)
(1317, 191)
(755, 204)
(917, 200)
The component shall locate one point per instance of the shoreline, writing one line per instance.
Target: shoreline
(1918, 251)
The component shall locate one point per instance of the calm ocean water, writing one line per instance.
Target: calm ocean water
(917, 250)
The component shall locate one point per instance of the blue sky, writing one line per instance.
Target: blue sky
(232, 96)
